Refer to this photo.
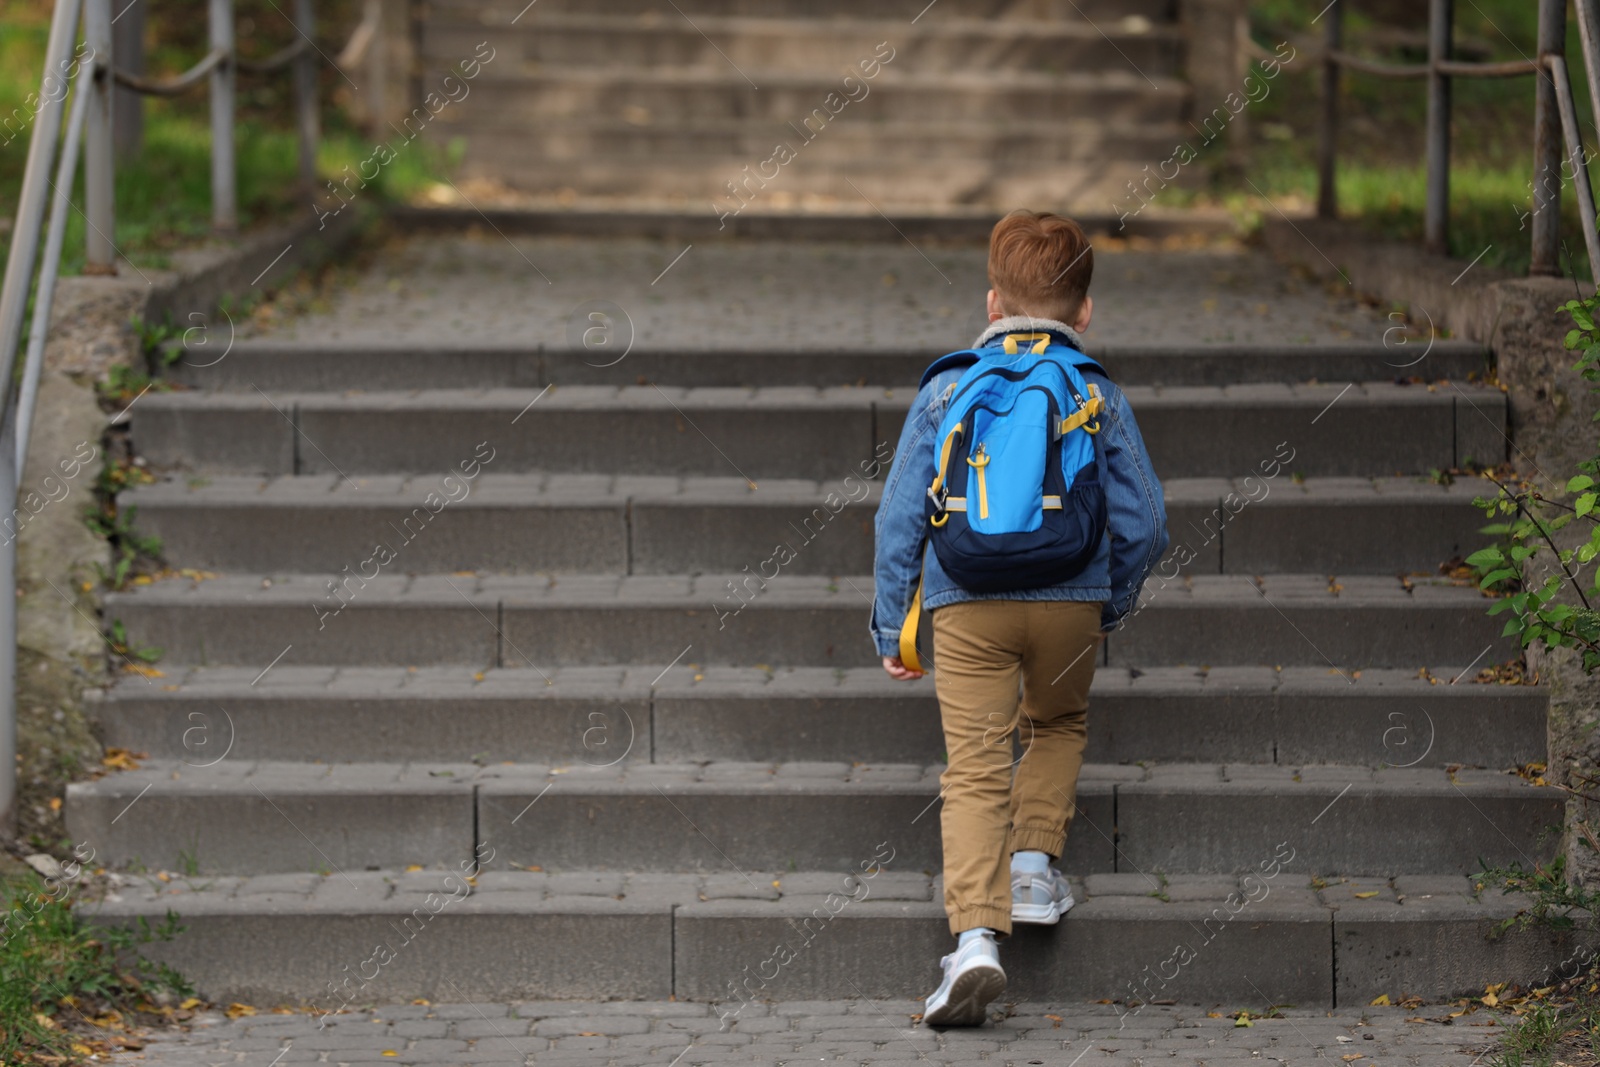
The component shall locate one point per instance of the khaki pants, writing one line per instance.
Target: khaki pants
(982, 650)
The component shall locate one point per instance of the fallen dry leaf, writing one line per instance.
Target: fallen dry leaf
(120, 759)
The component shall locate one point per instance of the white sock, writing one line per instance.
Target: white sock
(969, 935)
(1029, 862)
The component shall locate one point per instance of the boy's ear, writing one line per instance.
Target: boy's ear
(1085, 313)
(996, 312)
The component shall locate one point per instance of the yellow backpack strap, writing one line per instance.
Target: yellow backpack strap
(1092, 407)
(944, 457)
(908, 632)
(908, 629)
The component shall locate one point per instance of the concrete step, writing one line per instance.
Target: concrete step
(759, 45)
(1345, 429)
(631, 132)
(526, 523)
(865, 185)
(649, 713)
(911, 13)
(527, 935)
(244, 817)
(520, 98)
(1348, 623)
(307, 366)
(568, 214)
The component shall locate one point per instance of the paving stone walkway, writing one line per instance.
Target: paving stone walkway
(773, 296)
(875, 1033)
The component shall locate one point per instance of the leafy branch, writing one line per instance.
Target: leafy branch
(1529, 524)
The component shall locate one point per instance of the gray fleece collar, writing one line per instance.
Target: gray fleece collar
(1029, 324)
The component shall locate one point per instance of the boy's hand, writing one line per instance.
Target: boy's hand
(899, 671)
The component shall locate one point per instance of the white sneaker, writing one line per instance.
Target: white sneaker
(972, 978)
(1040, 898)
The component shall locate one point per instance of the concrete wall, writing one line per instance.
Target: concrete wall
(1551, 411)
(1215, 62)
(61, 650)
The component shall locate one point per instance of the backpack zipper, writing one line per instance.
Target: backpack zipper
(1012, 375)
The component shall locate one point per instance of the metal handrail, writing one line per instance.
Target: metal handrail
(179, 84)
(20, 262)
(218, 67)
(174, 86)
(88, 133)
(21, 414)
(1556, 122)
(276, 61)
(1575, 156)
(1351, 61)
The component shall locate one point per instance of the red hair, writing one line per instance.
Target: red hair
(1040, 264)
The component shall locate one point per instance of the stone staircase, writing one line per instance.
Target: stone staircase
(564, 671)
(976, 103)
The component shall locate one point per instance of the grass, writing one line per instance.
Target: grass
(1488, 208)
(1381, 175)
(69, 990)
(1561, 1021)
(1545, 1032)
(163, 196)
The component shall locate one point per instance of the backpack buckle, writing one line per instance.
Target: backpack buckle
(940, 498)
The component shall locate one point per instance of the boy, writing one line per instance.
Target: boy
(1044, 637)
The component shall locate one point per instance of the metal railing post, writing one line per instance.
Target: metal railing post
(1546, 257)
(1436, 219)
(1576, 159)
(8, 648)
(305, 96)
(224, 190)
(1328, 116)
(99, 177)
(127, 39)
(1589, 37)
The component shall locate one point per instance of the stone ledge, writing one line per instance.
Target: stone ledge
(1518, 318)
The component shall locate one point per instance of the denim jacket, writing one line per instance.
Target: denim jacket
(1136, 530)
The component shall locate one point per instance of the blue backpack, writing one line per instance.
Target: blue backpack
(1018, 500)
